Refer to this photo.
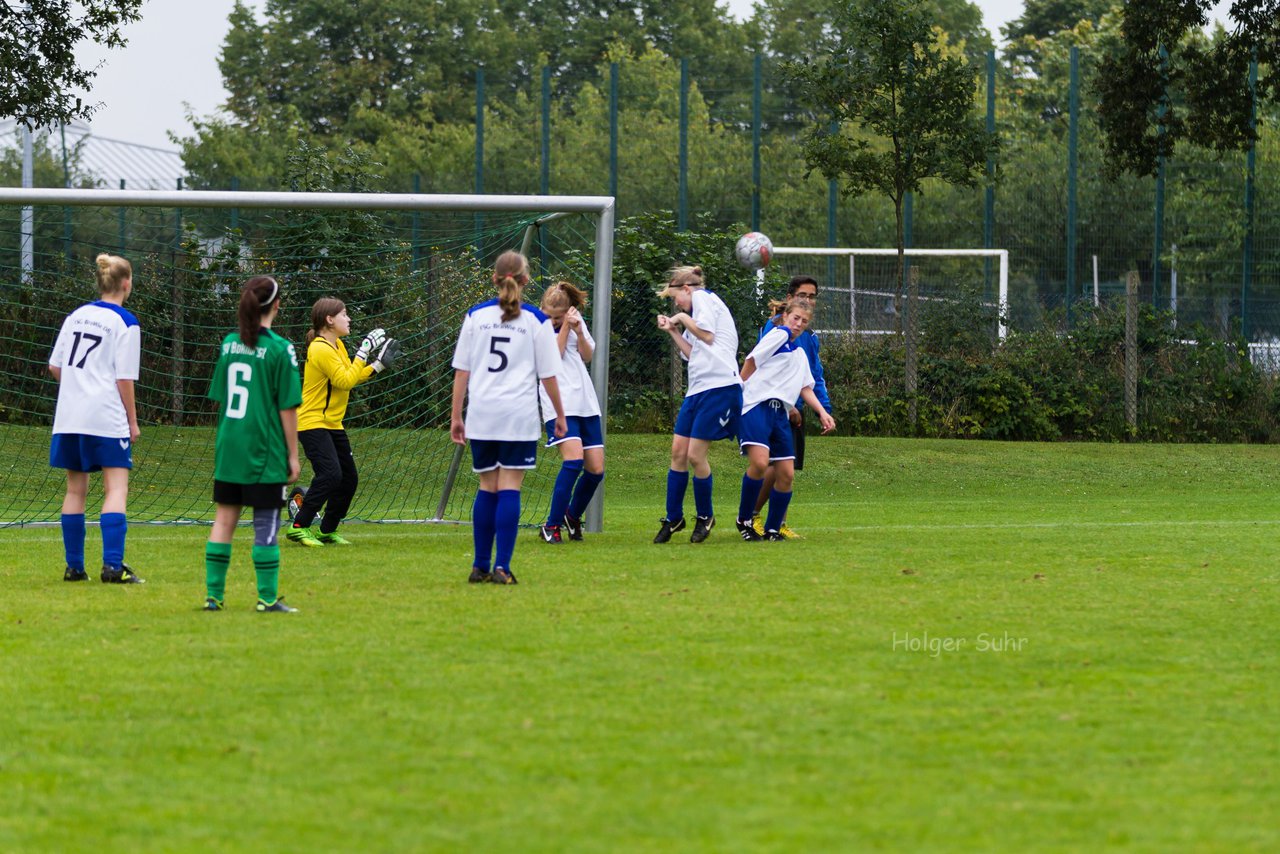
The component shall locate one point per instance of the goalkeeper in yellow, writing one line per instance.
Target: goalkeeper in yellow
(326, 387)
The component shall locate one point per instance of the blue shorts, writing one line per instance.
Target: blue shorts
(767, 425)
(490, 454)
(584, 428)
(711, 414)
(78, 452)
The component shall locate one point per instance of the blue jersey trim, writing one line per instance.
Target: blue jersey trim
(481, 305)
(125, 314)
(524, 305)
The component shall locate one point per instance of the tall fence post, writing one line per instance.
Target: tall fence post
(1073, 164)
(179, 317)
(1131, 283)
(1158, 242)
(613, 129)
(478, 219)
(545, 183)
(989, 194)
(682, 216)
(755, 142)
(121, 225)
(833, 202)
(1251, 161)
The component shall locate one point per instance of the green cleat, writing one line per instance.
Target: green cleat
(212, 604)
(303, 537)
(333, 538)
(277, 607)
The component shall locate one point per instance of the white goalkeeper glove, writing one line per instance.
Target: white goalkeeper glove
(387, 354)
(371, 343)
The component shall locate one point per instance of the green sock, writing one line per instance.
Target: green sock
(217, 559)
(266, 563)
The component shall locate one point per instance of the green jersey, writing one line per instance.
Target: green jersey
(252, 385)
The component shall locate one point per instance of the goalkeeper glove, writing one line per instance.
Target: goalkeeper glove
(371, 342)
(386, 355)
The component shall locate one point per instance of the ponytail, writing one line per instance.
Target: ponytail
(510, 274)
(563, 296)
(256, 299)
(110, 271)
(779, 309)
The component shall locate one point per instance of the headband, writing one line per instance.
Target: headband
(275, 289)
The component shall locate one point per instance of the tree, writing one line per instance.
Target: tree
(1168, 82)
(903, 111)
(38, 63)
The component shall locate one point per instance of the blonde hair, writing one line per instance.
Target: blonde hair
(510, 274)
(779, 308)
(682, 277)
(111, 272)
(564, 296)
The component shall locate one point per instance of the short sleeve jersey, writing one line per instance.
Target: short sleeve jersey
(713, 365)
(98, 344)
(252, 385)
(505, 359)
(577, 392)
(782, 370)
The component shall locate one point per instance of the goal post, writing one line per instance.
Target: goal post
(845, 271)
(410, 262)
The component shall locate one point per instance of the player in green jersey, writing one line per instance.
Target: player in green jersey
(257, 387)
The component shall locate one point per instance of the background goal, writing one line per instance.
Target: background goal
(409, 263)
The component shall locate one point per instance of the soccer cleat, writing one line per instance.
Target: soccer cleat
(122, 574)
(294, 504)
(788, 533)
(668, 528)
(303, 537)
(333, 538)
(702, 528)
(502, 576)
(758, 524)
(479, 576)
(747, 532)
(212, 604)
(277, 607)
(774, 536)
(550, 534)
(573, 527)
(72, 574)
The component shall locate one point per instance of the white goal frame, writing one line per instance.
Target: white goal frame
(853, 254)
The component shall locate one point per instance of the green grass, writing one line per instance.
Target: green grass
(727, 696)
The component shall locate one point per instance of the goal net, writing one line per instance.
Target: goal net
(860, 291)
(411, 264)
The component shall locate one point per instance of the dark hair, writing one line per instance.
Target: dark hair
(256, 299)
(510, 274)
(111, 271)
(325, 308)
(797, 281)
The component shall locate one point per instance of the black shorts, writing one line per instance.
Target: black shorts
(797, 436)
(270, 495)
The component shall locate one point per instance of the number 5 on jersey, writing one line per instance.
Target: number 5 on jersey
(502, 357)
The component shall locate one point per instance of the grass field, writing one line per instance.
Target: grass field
(975, 647)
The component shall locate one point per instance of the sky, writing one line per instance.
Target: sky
(170, 67)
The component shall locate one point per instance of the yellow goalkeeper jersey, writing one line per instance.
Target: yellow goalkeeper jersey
(326, 385)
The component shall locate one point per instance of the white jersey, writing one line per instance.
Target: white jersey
(99, 344)
(506, 359)
(577, 393)
(712, 365)
(782, 370)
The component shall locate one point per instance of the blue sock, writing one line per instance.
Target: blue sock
(747, 503)
(569, 471)
(778, 502)
(582, 495)
(113, 529)
(73, 539)
(702, 495)
(677, 483)
(506, 522)
(482, 527)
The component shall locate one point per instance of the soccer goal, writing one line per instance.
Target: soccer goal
(860, 291)
(410, 263)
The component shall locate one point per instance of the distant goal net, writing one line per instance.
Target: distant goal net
(860, 292)
(412, 264)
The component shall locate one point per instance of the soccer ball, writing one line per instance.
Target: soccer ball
(754, 250)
